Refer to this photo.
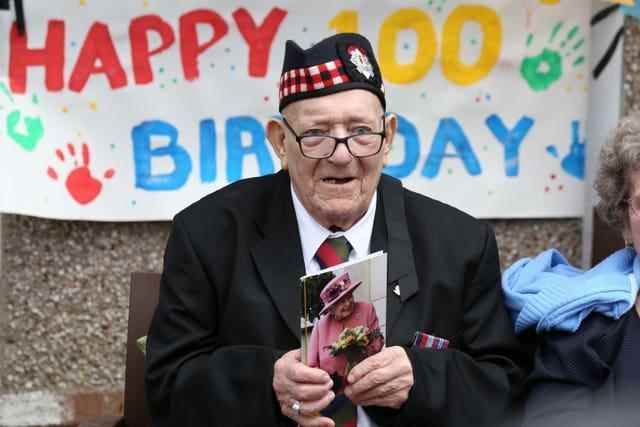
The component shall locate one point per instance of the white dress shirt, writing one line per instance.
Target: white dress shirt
(312, 234)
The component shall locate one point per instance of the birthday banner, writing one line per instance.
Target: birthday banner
(132, 110)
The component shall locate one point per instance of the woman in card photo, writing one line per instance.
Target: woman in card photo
(347, 332)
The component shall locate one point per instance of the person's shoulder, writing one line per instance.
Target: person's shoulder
(586, 353)
(364, 306)
(436, 215)
(241, 197)
(593, 329)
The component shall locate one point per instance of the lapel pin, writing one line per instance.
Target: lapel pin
(396, 290)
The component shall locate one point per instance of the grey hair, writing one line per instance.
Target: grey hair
(619, 156)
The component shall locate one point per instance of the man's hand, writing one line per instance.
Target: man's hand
(310, 387)
(383, 379)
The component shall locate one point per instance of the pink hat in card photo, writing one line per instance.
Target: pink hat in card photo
(335, 290)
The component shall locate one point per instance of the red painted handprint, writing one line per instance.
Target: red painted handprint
(83, 187)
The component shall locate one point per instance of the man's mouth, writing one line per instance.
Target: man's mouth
(334, 180)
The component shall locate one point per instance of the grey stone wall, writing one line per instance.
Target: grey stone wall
(64, 285)
(66, 298)
(631, 66)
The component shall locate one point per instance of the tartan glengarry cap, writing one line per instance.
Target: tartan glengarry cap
(341, 62)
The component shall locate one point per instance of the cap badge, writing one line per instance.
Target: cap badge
(358, 57)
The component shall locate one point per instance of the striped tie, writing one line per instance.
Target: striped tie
(333, 251)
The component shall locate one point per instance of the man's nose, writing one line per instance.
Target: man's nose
(341, 155)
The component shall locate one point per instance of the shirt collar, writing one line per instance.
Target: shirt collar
(312, 234)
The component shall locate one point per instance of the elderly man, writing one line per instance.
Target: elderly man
(223, 347)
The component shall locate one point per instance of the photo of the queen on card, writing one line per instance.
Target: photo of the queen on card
(342, 324)
(348, 331)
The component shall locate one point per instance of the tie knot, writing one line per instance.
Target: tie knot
(333, 251)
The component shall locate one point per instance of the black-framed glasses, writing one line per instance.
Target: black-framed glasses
(362, 144)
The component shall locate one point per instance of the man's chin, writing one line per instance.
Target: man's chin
(342, 215)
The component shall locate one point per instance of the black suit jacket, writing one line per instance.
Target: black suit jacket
(229, 309)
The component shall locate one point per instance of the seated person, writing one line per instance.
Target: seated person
(224, 344)
(587, 369)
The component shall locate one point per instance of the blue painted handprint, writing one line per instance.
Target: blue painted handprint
(573, 163)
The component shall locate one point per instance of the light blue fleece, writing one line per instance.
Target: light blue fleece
(546, 291)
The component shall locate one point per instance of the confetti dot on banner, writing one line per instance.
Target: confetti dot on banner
(304, 29)
(406, 46)
(133, 203)
(83, 2)
(65, 109)
(93, 105)
(145, 3)
(552, 176)
(266, 99)
(423, 95)
(579, 76)
(450, 171)
(174, 80)
(474, 41)
(546, 189)
(161, 69)
(233, 68)
(212, 65)
(477, 99)
(112, 146)
(485, 148)
(551, 149)
(161, 85)
(487, 97)
(227, 50)
(560, 187)
(73, 44)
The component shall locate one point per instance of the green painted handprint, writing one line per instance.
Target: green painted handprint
(33, 128)
(542, 70)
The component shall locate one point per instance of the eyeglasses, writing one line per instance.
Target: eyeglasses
(634, 204)
(361, 144)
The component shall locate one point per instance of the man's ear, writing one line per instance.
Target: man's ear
(276, 137)
(391, 126)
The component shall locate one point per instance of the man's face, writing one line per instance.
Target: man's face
(336, 191)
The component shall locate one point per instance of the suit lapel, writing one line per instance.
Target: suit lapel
(390, 233)
(278, 256)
